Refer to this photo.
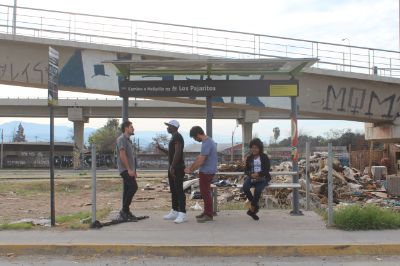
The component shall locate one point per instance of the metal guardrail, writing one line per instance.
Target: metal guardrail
(42, 23)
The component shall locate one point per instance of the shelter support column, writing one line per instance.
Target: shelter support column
(295, 155)
(76, 116)
(249, 117)
(209, 116)
(125, 108)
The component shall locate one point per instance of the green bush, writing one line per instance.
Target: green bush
(16, 226)
(368, 217)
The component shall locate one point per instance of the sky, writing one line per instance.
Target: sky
(368, 23)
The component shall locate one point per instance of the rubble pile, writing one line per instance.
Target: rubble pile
(350, 185)
(235, 167)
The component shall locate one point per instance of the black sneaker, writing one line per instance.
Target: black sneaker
(205, 218)
(200, 215)
(123, 216)
(253, 215)
(256, 209)
(131, 217)
(127, 217)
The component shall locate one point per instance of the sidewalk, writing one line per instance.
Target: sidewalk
(231, 233)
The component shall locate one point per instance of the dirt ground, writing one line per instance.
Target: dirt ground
(26, 194)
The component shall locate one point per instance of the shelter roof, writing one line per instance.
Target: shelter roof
(286, 66)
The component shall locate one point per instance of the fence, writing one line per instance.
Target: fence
(360, 159)
(41, 23)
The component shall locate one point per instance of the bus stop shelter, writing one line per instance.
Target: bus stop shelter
(207, 79)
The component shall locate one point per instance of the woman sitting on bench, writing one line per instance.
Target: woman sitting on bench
(257, 175)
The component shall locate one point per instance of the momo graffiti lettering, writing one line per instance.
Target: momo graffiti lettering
(359, 101)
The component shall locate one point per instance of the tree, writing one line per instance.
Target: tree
(19, 136)
(106, 136)
(160, 142)
(277, 133)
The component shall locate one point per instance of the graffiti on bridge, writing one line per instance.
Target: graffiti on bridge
(360, 101)
(29, 72)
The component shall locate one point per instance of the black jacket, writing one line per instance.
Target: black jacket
(265, 166)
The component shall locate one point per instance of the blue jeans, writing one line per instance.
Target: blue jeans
(259, 187)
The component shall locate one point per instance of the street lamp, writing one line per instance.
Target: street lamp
(344, 39)
(233, 133)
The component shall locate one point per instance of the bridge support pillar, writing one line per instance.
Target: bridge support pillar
(246, 122)
(384, 132)
(76, 116)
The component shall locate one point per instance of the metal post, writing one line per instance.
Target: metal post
(209, 116)
(233, 134)
(349, 155)
(232, 148)
(330, 185)
(51, 163)
(214, 195)
(93, 183)
(307, 176)
(15, 18)
(371, 147)
(125, 108)
(1, 150)
(295, 156)
(349, 51)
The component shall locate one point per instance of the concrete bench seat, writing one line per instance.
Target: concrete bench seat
(270, 185)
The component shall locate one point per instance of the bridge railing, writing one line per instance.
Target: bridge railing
(142, 34)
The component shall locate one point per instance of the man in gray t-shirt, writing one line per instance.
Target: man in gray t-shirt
(206, 162)
(127, 169)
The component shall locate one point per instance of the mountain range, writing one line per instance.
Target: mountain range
(35, 132)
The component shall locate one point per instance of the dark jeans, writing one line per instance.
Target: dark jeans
(259, 187)
(176, 188)
(205, 191)
(129, 189)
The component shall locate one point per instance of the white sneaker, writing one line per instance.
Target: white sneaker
(172, 215)
(182, 217)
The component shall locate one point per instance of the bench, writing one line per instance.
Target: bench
(270, 185)
(214, 188)
(278, 186)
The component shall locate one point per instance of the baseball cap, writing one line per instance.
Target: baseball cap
(173, 123)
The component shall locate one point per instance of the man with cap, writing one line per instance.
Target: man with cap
(176, 174)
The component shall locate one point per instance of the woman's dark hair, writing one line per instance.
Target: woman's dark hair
(125, 125)
(196, 130)
(257, 142)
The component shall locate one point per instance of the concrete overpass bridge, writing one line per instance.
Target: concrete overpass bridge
(80, 110)
(348, 82)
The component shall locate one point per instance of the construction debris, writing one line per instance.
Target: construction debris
(350, 185)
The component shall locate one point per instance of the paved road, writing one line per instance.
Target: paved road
(197, 261)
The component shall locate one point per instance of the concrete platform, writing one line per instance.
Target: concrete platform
(232, 233)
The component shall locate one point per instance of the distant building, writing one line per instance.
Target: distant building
(191, 151)
(36, 155)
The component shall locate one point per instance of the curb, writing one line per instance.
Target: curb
(200, 250)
